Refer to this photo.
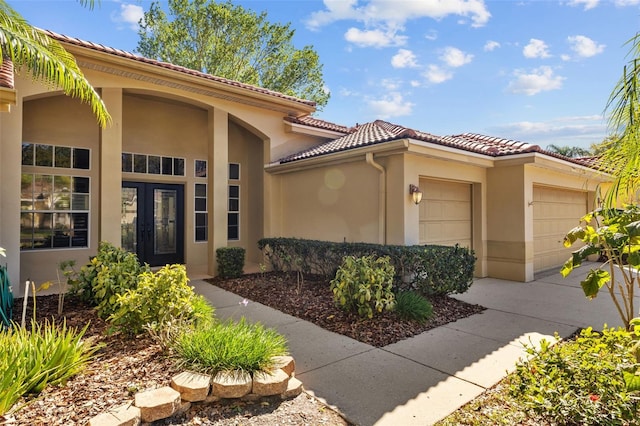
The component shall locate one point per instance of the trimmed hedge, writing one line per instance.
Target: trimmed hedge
(429, 269)
(230, 261)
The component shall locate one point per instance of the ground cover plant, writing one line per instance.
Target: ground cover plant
(579, 381)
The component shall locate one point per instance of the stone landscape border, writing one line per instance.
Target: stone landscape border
(189, 387)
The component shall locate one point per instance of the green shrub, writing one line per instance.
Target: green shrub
(159, 299)
(431, 270)
(412, 306)
(230, 262)
(110, 273)
(32, 359)
(580, 382)
(230, 346)
(364, 285)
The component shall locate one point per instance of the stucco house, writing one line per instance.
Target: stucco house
(192, 162)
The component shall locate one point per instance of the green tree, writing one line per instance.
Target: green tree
(568, 151)
(622, 156)
(231, 42)
(46, 59)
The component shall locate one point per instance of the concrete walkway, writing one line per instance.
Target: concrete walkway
(420, 380)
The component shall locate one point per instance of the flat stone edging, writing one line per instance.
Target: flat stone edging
(188, 387)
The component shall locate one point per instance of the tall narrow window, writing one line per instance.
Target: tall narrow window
(233, 215)
(202, 217)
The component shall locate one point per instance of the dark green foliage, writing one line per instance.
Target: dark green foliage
(412, 306)
(230, 262)
(431, 270)
(364, 285)
(580, 382)
(110, 273)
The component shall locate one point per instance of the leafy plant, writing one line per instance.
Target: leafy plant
(431, 270)
(230, 346)
(578, 383)
(32, 359)
(230, 261)
(614, 234)
(412, 306)
(364, 285)
(159, 299)
(110, 273)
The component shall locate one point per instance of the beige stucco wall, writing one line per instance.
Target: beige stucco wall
(336, 202)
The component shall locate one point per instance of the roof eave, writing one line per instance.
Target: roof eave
(8, 97)
(104, 61)
(354, 154)
(312, 131)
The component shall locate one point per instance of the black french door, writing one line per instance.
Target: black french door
(152, 222)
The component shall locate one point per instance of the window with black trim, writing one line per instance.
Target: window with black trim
(202, 216)
(233, 215)
(54, 211)
(200, 167)
(152, 164)
(65, 157)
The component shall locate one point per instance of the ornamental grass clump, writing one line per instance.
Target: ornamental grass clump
(413, 307)
(47, 354)
(581, 382)
(230, 346)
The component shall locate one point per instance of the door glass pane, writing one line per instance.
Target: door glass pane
(129, 219)
(165, 204)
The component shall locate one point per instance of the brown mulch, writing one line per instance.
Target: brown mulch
(311, 299)
(125, 366)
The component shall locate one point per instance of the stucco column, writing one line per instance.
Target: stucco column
(218, 178)
(111, 169)
(10, 170)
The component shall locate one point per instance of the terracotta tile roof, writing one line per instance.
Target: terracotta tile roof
(381, 131)
(320, 124)
(6, 74)
(168, 66)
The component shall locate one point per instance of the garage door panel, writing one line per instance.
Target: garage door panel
(445, 213)
(555, 212)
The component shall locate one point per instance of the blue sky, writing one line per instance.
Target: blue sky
(536, 71)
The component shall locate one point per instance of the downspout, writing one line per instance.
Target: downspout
(382, 199)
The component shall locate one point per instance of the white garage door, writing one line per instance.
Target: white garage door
(445, 213)
(555, 212)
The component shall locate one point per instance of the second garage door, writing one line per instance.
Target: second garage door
(555, 212)
(445, 213)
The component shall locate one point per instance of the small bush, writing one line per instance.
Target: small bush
(364, 285)
(110, 273)
(32, 359)
(580, 382)
(230, 262)
(160, 299)
(230, 346)
(413, 307)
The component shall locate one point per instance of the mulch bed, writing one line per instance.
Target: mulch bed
(312, 300)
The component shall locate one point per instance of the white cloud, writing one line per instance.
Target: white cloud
(373, 38)
(392, 105)
(390, 84)
(538, 80)
(536, 49)
(584, 46)
(623, 3)
(491, 45)
(393, 14)
(129, 14)
(431, 35)
(404, 59)
(588, 4)
(570, 131)
(455, 57)
(435, 74)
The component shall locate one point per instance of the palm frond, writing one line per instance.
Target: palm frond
(46, 59)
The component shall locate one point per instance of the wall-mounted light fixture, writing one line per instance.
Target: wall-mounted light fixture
(416, 194)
